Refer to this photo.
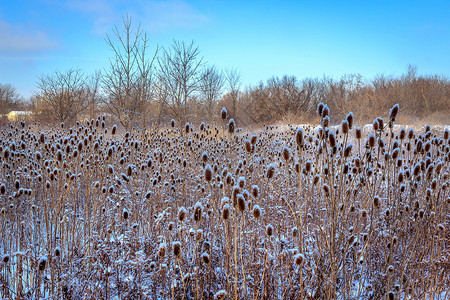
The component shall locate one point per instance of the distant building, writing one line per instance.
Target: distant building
(19, 115)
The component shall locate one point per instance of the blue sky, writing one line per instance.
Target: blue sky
(259, 38)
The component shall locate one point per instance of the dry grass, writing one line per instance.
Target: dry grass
(296, 214)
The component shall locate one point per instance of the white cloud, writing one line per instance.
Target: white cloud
(159, 16)
(16, 39)
(102, 12)
(155, 16)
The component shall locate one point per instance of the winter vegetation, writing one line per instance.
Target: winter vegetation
(162, 177)
(95, 211)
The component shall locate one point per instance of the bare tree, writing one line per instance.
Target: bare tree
(312, 92)
(93, 93)
(211, 86)
(64, 93)
(127, 81)
(233, 83)
(145, 80)
(9, 98)
(179, 76)
(281, 99)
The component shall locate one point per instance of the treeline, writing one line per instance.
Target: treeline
(149, 86)
(10, 99)
(289, 100)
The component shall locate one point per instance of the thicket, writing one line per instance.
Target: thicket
(423, 98)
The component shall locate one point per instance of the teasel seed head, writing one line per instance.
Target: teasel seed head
(358, 133)
(220, 295)
(345, 126)
(270, 171)
(299, 137)
(325, 121)
(42, 263)
(176, 248)
(395, 153)
(411, 133)
(417, 168)
(371, 141)
(375, 125)
(246, 195)
(286, 153)
(390, 269)
(316, 179)
(390, 295)
(223, 113)
(393, 112)
(326, 189)
(181, 214)
(198, 210)
(380, 123)
(352, 208)
(320, 107)
(325, 112)
(226, 212)
(332, 139)
(421, 213)
(351, 239)
(308, 166)
(208, 173)
(363, 213)
(125, 214)
(299, 258)
(248, 146)
(241, 182)
(400, 177)
(205, 258)
(241, 202)
(5, 258)
(255, 191)
(269, 230)
(402, 133)
(376, 202)
(59, 155)
(256, 211)
(394, 240)
(348, 150)
(204, 156)
(231, 126)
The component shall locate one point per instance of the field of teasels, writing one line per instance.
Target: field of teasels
(206, 212)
